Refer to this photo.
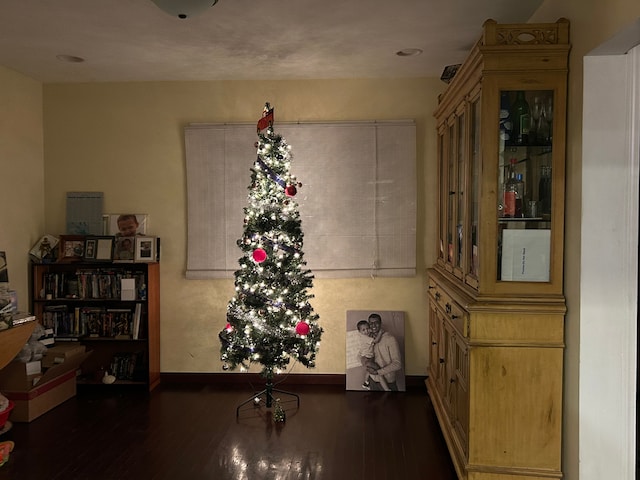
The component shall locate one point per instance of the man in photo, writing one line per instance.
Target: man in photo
(387, 360)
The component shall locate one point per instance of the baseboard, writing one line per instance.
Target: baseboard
(411, 381)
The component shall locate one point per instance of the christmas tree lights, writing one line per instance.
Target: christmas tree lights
(270, 319)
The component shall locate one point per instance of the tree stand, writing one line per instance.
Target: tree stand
(268, 393)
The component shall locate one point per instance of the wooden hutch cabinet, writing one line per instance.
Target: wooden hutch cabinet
(496, 303)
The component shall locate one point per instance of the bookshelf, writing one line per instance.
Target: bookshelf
(111, 308)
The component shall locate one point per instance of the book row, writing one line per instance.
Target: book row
(92, 284)
(127, 366)
(122, 323)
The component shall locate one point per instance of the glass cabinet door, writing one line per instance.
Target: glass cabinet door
(450, 192)
(459, 193)
(474, 200)
(442, 199)
(524, 207)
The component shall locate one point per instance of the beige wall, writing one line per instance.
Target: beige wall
(22, 174)
(126, 140)
(592, 23)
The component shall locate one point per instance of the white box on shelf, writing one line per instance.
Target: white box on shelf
(128, 289)
(526, 255)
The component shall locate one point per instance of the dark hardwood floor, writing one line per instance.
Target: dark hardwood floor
(190, 431)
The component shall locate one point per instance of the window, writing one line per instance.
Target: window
(357, 200)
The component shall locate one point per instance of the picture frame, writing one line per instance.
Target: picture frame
(4, 271)
(124, 250)
(71, 248)
(47, 243)
(359, 353)
(110, 224)
(145, 250)
(98, 248)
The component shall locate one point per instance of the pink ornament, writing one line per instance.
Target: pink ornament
(259, 255)
(229, 327)
(302, 328)
(290, 191)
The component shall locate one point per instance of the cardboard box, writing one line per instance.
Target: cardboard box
(30, 404)
(128, 289)
(60, 352)
(20, 376)
(45, 391)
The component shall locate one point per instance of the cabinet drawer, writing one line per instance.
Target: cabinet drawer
(457, 316)
(452, 310)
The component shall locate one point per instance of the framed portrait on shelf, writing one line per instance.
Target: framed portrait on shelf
(125, 224)
(145, 249)
(44, 248)
(124, 249)
(4, 271)
(71, 248)
(89, 248)
(375, 351)
(98, 248)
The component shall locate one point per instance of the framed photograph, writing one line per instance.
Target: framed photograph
(375, 341)
(90, 248)
(145, 249)
(125, 224)
(124, 249)
(4, 271)
(44, 249)
(99, 248)
(71, 248)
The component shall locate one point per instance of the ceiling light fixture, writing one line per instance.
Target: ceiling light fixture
(409, 52)
(184, 8)
(70, 58)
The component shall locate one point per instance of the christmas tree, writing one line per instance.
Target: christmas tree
(269, 319)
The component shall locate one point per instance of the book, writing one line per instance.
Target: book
(136, 321)
(21, 317)
(121, 322)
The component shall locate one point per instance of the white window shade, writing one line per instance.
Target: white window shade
(357, 200)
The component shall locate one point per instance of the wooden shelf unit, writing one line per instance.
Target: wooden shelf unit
(55, 285)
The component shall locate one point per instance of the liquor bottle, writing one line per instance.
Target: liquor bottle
(544, 191)
(521, 116)
(505, 120)
(542, 131)
(519, 196)
(510, 190)
(537, 118)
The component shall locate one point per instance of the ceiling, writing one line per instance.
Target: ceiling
(133, 40)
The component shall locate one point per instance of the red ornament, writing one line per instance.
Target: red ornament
(229, 327)
(302, 328)
(290, 191)
(259, 255)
